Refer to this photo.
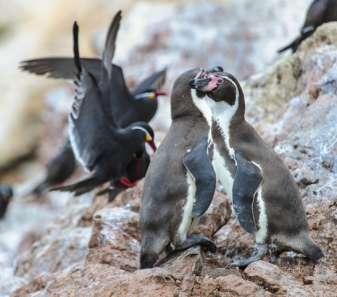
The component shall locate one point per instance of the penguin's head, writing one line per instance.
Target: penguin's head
(216, 92)
(145, 133)
(181, 101)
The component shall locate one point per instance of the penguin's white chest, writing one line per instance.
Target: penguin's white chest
(186, 218)
(222, 173)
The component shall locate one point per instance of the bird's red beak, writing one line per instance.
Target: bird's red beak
(160, 93)
(152, 145)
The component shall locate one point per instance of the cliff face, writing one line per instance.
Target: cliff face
(93, 251)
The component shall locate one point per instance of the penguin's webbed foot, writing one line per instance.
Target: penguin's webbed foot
(195, 240)
(260, 251)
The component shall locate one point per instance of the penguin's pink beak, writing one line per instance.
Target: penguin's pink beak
(205, 82)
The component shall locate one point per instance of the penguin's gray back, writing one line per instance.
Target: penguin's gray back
(282, 202)
(165, 187)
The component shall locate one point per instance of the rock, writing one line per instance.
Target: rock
(216, 216)
(240, 287)
(274, 279)
(325, 35)
(114, 240)
(291, 99)
(106, 281)
(63, 245)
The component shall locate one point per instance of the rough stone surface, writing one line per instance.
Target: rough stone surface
(274, 279)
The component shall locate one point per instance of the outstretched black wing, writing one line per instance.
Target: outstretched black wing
(247, 179)
(89, 131)
(200, 167)
(60, 67)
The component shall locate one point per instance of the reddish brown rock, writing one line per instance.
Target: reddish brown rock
(273, 279)
(115, 238)
(216, 216)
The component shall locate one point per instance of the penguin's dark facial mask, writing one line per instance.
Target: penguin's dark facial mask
(216, 85)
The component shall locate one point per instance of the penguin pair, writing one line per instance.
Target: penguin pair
(128, 107)
(319, 12)
(6, 194)
(100, 146)
(180, 181)
(265, 196)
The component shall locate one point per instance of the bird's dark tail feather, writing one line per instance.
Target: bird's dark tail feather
(39, 189)
(77, 59)
(81, 187)
(293, 45)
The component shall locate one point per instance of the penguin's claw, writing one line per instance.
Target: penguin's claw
(259, 252)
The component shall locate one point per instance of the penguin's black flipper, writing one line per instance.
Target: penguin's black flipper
(200, 167)
(152, 83)
(247, 179)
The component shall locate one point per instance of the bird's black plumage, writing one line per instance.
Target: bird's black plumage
(99, 144)
(59, 169)
(124, 107)
(319, 12)
(6, 194)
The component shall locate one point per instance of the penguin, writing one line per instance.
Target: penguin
(265, 196)
(6, 194)
(102, 148)
(140, 106)
(180, 181)
(319, 12)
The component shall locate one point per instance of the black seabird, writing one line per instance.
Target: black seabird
(99, 145)
(319, 12)
(140, 105)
